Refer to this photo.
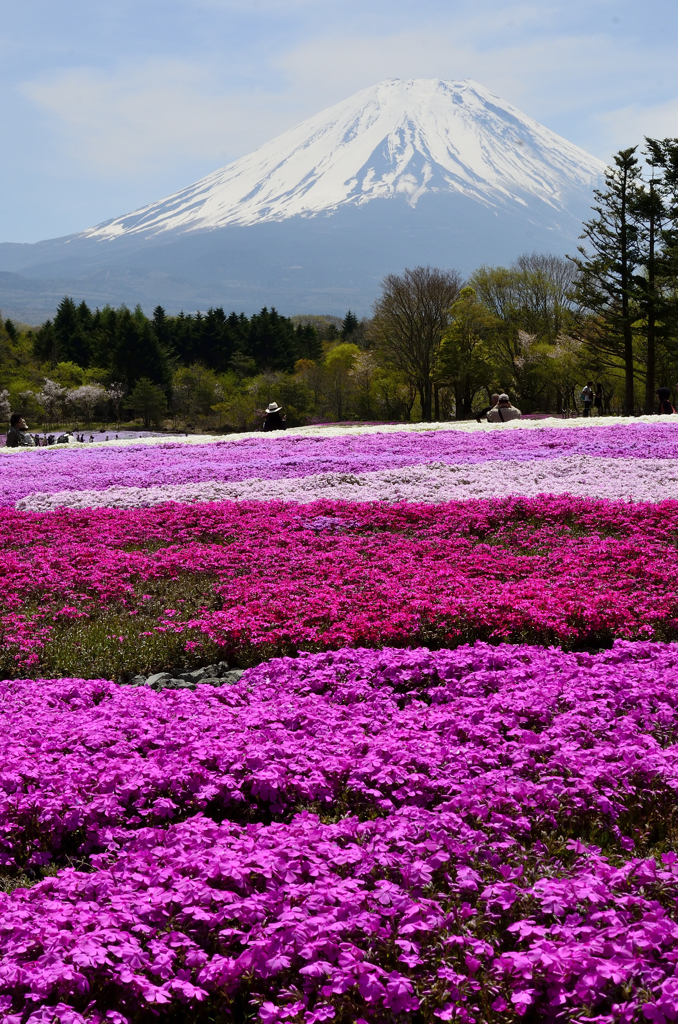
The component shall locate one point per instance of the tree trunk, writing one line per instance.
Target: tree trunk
(625, 282)
(436, 403)
(426, 397)
(651, 369)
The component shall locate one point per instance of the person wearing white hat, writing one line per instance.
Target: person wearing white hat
(503, 411)
(273, 420)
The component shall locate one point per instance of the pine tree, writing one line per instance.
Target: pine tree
(137, 353)
(649, 212)
(71, 329)
(271, 341)
(607, 285)
(308, 344)
(349, 324)
(663, 156)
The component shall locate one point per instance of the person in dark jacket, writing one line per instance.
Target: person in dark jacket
(664, 396)
(598, 399)
(273, 419)
(17, 435)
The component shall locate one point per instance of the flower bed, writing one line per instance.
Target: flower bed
(390, 826)
(463, 835)
(582, 475)
(96, 592)
(51, 470)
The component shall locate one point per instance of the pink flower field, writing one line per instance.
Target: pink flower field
(445, 787)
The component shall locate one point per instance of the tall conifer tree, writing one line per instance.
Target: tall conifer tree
(607, 285)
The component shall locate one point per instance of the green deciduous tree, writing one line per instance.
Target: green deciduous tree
(148, 401)
(410, 319)
(464, 354)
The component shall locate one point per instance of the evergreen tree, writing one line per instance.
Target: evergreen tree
(137, 353)
(102, 338)
(607, 284)
(71, 329)
(663, 158)
(649, 213)
(349, 324)
(271, 341)
(45, 345)
(307, 343)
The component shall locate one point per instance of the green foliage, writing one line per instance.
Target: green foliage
(465, 353)
(606, 284)
(349, 324)
(148, 401)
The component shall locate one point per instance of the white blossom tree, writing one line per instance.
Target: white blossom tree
(116, 393)
(51, 398)
(86, 398)
(5, 406)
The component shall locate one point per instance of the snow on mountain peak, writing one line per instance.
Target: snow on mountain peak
(395, 139)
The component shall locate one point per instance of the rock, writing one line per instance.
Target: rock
(179, 684)
(197, 675)
(231, 677)
(137, 681)
(158, 679)
(211, 671)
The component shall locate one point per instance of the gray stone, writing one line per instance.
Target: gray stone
(231, 677)
(211, 671)
(158, 679)
(196, 676)
(180, 684)
(137, 681)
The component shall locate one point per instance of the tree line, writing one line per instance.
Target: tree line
(436, 346)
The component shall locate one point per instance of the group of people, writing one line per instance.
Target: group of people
(19, 436)
(594, 399)
(591, 398)
(500, 411)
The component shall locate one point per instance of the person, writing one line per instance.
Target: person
(503, 411)
(664, 396)
(598, 399)
(17, 435)
(493, 402)
(587, 397)
(272, 418)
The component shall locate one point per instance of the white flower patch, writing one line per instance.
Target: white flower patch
(580, 475)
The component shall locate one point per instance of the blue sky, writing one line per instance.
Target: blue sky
(106, 105)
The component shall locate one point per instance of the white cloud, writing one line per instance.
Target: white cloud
(142, 118)
(138, 118)
(628, 126)
(547, 77)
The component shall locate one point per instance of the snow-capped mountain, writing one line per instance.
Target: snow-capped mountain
(400, 174)
(394, 140)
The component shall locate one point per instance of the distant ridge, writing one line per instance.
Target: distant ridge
(405, 172)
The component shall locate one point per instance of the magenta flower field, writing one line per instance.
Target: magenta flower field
(443, 789)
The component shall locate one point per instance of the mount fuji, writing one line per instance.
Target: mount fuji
(403, 173)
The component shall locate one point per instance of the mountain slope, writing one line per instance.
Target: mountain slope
(401, 173)
(397, 138)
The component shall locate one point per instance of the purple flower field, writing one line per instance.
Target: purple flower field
(50, 470)
(362, 835)
(474, 835)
